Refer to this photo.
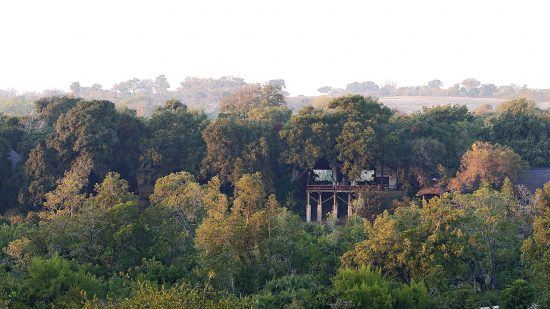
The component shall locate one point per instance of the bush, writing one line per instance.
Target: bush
(147, 295)
(53, 278)
(294, 291)
(518, 296)
(413, 295)
(365, 288)
(368, 288)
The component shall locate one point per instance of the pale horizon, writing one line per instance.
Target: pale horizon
(308, 44)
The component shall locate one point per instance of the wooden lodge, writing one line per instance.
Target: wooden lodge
(327, 187)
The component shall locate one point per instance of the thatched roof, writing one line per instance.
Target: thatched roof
(430, 190)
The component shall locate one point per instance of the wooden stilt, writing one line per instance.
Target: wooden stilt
(320, 208)
(350, 207)
(308, 209)
(334, 207)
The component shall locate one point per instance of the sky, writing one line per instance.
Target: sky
(309, 44)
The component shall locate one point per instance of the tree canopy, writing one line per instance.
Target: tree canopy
(102, 208)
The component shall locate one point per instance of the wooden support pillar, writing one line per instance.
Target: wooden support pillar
(334, 206)
(308, 209)
(320, 208)
(350, 207)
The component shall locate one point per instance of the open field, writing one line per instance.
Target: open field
(409, 104)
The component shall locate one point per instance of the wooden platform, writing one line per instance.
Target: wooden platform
(347, 188)
(337, 192)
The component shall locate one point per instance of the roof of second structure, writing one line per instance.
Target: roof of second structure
(534, 178)
(430, 190)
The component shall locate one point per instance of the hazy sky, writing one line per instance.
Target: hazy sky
(49, 44)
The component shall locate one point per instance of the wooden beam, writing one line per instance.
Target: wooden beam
(350, 207)
(308, 209)
(320, 208)
(334, 207)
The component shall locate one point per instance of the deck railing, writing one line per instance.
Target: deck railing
(346, 188)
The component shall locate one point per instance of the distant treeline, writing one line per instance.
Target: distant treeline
(469, 87)
(144, 95)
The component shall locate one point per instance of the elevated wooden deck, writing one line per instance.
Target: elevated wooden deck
(347, 188)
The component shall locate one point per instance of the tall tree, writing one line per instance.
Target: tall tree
(524, 127)
(69, 195)
(363, 141)
(251, 242)
(50, 109)
(488, 164)
(448, 130)
(310, 136)
(256, 95)
(161, 85)
(174, 142)
(87, 128)
(536, 249)
(435, 84)
(240, 144)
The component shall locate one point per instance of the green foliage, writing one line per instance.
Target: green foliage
(41, 170)
(92, 129)
(250, 195)
(52, 279)
(5, 172)
(16, 105)
(88, 127)
(12, 139)
(68, 196)
(364, 288)
(182, 196)
(518, 296)
(351, 134)
(50, 109)
(106, 230)
(181, 211)
(363, 138)
(174, 143)
(536, 248)
(112, 191)
(237, 146)
(466, 238)
(294, 291)
(17, 249)
(310, 136)
(181, 296)
(368, 288)
(413, 295)
(522, 126)
(253, 242)
(438, 137)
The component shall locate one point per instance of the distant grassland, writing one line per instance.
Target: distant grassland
(410, 104)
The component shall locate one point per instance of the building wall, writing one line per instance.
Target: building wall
(391, 174)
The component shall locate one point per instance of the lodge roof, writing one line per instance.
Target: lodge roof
(534, 178)
(14, 158)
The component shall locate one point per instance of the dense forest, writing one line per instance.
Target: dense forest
(102, 208)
